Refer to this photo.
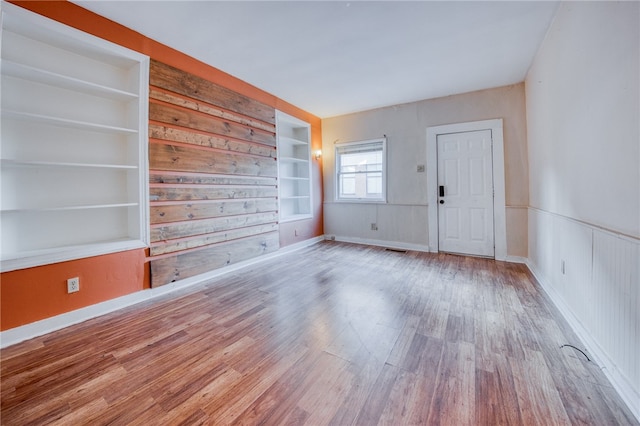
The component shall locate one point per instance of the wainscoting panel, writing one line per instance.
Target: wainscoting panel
(593, 277)
(616, 297)
(367, 222)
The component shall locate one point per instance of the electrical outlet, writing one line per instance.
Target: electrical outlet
(73, 285)
(420, 168)
(374, 226)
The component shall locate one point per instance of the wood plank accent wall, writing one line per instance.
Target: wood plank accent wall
(212, 176)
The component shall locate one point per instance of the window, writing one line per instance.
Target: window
(361, 170)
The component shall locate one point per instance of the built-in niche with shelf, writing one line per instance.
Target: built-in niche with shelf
(73, 143)
(294, 167)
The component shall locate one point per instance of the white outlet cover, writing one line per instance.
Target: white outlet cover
(73, 285)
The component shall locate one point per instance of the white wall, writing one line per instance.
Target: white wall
(582, 97)
(403, 220)
(582, 114)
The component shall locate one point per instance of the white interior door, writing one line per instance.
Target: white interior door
(465, 193)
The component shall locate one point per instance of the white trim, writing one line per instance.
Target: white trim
(336, 171)
(516, 259)
(620, 383)
(612, 232)
(499, 203)
(380, 243)
(143, 151)
(297, 246)
(72, 36)
(48, 325)
(284, 119)
(57, 255)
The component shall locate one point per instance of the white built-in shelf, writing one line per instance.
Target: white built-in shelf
(65, 122)
(293, 160)
(39, 75)
(293, 141)
(295, 217)
(74, 143)
(16, 163)
(85, 207)
(296, 197)
(294, 178)
(294, 167)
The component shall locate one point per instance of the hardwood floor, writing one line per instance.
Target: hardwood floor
(332, 334)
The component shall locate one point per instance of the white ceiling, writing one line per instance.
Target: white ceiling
(332, 58)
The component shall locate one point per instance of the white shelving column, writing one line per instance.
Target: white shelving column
(294, 167)
(73, 153)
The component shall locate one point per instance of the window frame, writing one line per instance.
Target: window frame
(353, 147)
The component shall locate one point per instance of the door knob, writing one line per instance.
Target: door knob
(441, 201)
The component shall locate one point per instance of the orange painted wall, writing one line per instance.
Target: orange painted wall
(34, 294)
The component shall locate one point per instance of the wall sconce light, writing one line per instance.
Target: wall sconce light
(317, 154)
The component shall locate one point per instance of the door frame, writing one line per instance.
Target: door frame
(499, 203)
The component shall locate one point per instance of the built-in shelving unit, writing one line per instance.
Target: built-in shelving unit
(294, 167)
(73, 153)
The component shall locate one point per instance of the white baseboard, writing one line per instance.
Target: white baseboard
(620, 383)
(516, 259)
(48, 325)
(380, 243)
(406, 246)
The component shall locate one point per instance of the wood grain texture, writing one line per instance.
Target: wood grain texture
(182, 158)
(208, 192)
(176, 212)
(332, 334)
(212, 160)
(185, 102)
(189, 263)
(175, 80)
(173, 134)
(170, 231)
(209, 239)
(166, 177)
(171, 114)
